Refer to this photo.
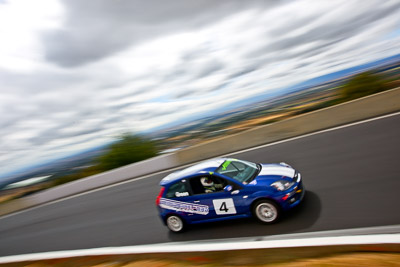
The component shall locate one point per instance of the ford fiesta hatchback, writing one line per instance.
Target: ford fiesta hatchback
(226, 188)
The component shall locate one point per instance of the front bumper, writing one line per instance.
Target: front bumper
(293, 197)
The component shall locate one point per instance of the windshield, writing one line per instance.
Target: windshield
(240, 170)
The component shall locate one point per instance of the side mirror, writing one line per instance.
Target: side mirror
(228, 188)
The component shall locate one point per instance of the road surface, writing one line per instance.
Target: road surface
(352, 177)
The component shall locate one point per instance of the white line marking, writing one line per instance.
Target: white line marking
(315, 133)
(187, 165)
(216, 246)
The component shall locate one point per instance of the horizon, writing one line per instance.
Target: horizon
(304, 85)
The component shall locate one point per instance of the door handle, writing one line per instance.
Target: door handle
(196, 201)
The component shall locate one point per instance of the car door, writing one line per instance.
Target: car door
(179, 199)
(220, 202)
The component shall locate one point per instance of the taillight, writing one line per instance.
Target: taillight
(159, 196)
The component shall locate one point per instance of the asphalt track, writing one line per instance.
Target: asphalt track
(352, 177)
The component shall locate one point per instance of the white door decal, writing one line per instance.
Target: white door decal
(224, 206)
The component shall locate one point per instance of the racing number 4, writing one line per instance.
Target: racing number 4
(224, 206)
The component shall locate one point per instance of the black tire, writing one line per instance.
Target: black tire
(266, 211)
(175, 224)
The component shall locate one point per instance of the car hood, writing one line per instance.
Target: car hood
(276, 170)
(271, 173)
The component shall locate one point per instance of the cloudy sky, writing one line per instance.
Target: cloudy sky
(74, 74)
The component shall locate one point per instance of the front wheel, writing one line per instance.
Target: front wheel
(175, 224)
(266, 211)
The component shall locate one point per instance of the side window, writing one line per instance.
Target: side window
(219, 183)
(207, 184)
(195, 184)
(178, 189)
(235, 186)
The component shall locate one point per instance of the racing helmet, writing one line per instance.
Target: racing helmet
(205, 181)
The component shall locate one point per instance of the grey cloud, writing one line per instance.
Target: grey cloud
(244, 71)
(209, 68)
(329, 33)
(82, 141)
(83, 132)
(142, 115)
(123, 106)
(184, 91)
(200, 52)
(112, 120)
(220, 87)
(192, 92)
(177, 73)
(198, 64)
(184, 94)
(107, 98)
(191, 68)
(97, 29)
(39, 81)
(7, 123)
(288, 25)
(55, 133)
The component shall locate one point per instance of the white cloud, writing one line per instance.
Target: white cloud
(20, 25)
(59, 104)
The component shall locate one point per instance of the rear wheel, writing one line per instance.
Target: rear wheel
(175, 224)
(266, 211)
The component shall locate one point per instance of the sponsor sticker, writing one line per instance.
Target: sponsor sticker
(183, 194)
(183, 206)
(226, 164)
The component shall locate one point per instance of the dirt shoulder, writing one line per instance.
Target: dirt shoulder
(361, 255)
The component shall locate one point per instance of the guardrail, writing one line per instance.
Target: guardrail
(138, 169)
(356, 110)
(339, 239)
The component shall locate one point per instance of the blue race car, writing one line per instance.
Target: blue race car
(226, 188)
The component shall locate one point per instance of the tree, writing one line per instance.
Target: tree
(363, 84)
(129, 149)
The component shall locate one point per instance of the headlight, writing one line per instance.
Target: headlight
(282, 185)
(297, 177)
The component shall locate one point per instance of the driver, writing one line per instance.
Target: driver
(208, 185)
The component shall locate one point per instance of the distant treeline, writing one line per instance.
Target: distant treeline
(360, 85)
(128, 149)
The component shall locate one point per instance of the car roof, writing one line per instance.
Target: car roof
(203, 167)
